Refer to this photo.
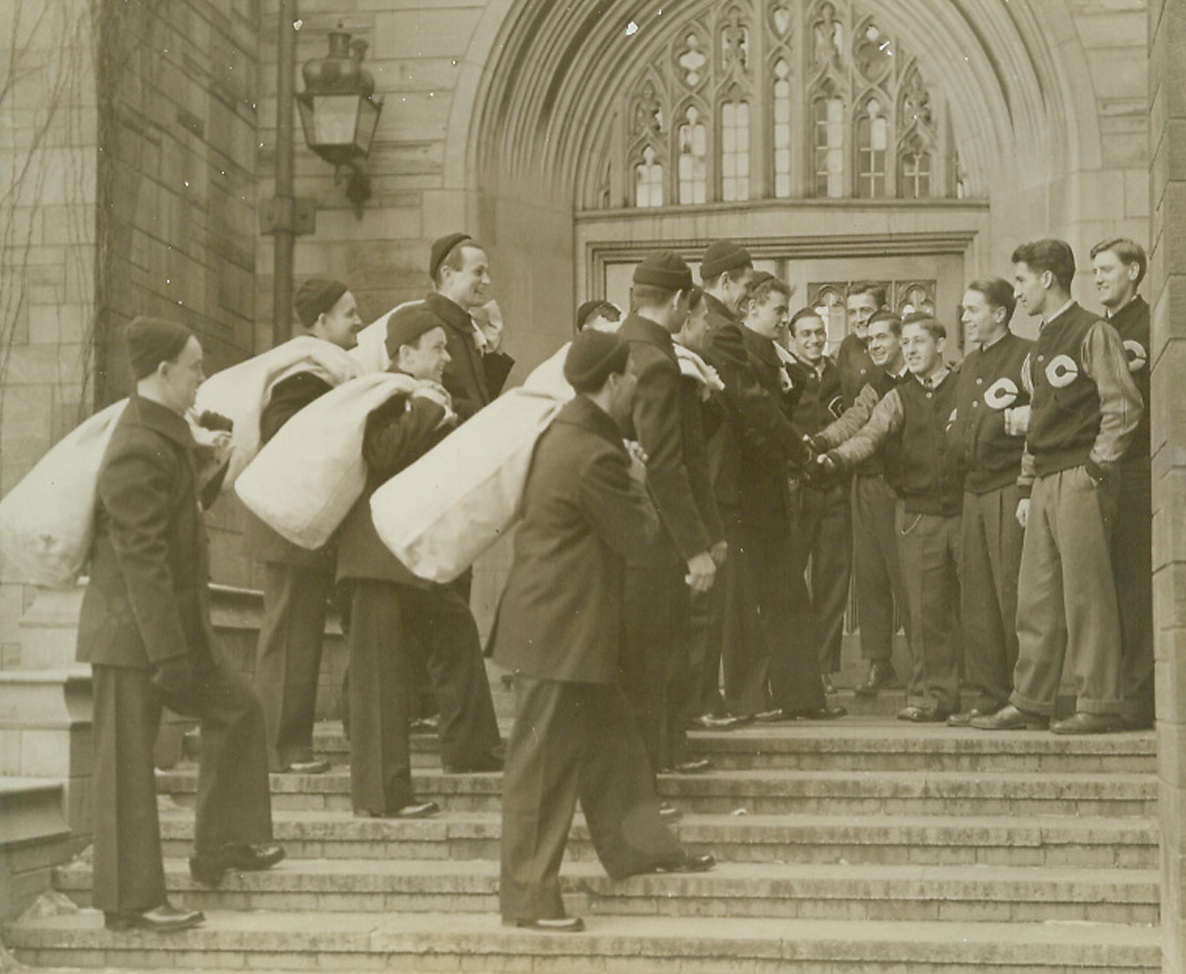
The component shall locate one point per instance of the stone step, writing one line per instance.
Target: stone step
(34, 838)
(772, 792)
(798, 891)
(980, 840)
(288, 941)
(865, 744)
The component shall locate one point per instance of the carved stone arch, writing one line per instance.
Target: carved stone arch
(693, 52)
(873, 58)
(735, 54)
(777, 14)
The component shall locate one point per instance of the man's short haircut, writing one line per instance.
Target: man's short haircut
(895, 322)
(760, 292)
(803, 313)
(455, 258)
(1128, 251)
(928, 323)
(1051, 255)
(695, 298)
(997, 292)
(867, 287)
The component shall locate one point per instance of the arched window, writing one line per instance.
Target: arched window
(735, 151)
(648, 180)
(828, 112)
(693, 158)
(782, 129)
(914, 172)
(872, 141)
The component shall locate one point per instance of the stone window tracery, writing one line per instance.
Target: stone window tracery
(693, 157)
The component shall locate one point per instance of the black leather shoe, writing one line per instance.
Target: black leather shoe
(688, 864)
(165, 918)
(880, 676)
(922, 715)
(1082, 723)
(414, 810)
(822, 713)
(549, 924)
(693, 766)
(1010, 718)
(710, 722)
(208, 868)
(966, 718)
(669, 813)
(307, 767)
(776, 716)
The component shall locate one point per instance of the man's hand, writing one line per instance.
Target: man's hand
(1017, 420)
(1023, 512)
(702, 570)
(173, 680)
(719, 552)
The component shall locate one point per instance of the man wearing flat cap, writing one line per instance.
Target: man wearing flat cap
(661, 578)
(391, 608)
(725, 271)
(559, 629)
(297, 582)
(460, 275)
(145, 629)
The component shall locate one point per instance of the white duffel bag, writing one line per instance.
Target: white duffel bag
(305, 479)
(442, 512)
(241, 392)
(47, 521)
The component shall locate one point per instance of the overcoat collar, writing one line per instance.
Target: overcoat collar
(582, 411)
(636, 328)
(160, 419)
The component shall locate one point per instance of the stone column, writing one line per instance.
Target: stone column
(1167, 293)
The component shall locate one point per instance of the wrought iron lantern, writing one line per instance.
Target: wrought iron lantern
(339, 111)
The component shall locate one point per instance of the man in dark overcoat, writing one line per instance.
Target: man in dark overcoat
(559, 628)
(392, 610)
(145, 629)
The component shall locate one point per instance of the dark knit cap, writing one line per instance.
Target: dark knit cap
(666, 270)
(585, 312)
(152, 341)
(315, 297)
(760, 278)
(721, 256)
(405, 325)
(441, 248)
(593, 357)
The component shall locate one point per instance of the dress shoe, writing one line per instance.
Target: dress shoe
(711, 722)
(693, 766)
(966, 718)
(1082, 723)
(165, 918)
(688, 864)
(669, 813)
(881, 675)
(776, 716)
(549, 924)
(484, 764)
(820, 713)
(1009, 718)
(922, 715)
(208, 868)
(414, 810)
(307, 767)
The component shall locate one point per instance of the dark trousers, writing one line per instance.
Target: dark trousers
(386, 620)
(288, 658)
(706, 628)
(875, 567)
(233, 802)
(928, 549)
(1066, 598)
(821, 546)
(1132, 570)
(574, 740)
(769, 651)
(654, 660)
(990, 552)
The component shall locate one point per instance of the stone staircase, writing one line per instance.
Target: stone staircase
(861, 846)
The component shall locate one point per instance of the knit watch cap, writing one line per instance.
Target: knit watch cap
(721, 256)
(405, 325)
(317, 296)
(152, 341)
(441, 248)
(593, 357)
(586, 310)
(666, 270)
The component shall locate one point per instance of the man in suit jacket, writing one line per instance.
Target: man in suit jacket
(298, 583)
(658, 610)
(391, 609)
(559, 628)
(145, 629)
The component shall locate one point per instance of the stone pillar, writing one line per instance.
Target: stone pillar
(1167, 294)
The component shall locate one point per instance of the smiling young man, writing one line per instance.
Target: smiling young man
(989, 395)
(1119, 265)
(1084, 413)
(909, 425)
